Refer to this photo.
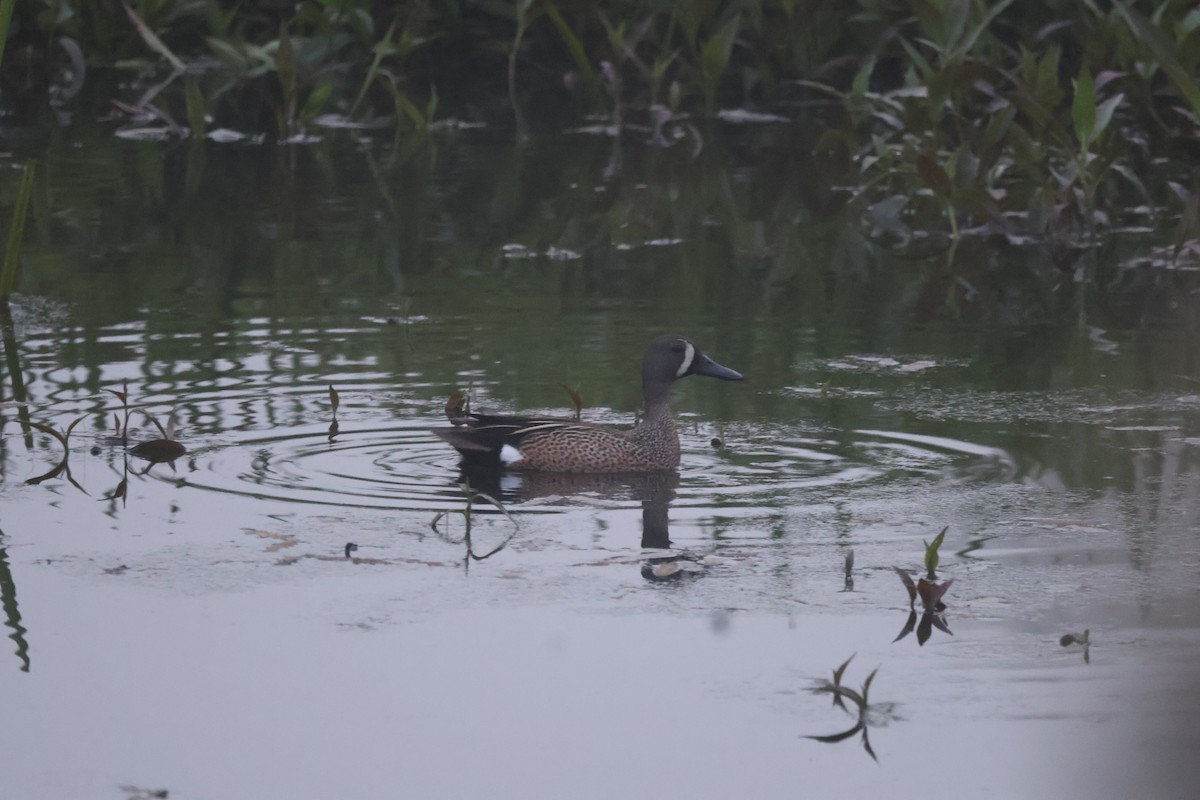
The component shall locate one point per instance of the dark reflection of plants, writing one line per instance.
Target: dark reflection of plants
(930, 592)
(63, 467)
(12, 614)
(867, 715)
(470, 496)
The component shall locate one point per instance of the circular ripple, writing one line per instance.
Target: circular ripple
(397, 467)
(404, 467)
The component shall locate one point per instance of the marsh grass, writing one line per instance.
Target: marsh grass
(960, 121)
(16, 233)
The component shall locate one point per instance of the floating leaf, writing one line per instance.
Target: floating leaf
(333, 398)
(158, 451)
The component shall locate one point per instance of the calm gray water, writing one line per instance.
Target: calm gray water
(196, 626)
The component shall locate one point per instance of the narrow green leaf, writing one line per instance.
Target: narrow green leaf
(963, 46)
(16, 232)
(6, 10)
(1166, 53)
(574, 46)
(432, 105)
(232, 57)
(194, 101)
(152, 40)
(381, 49)
(1083, 108)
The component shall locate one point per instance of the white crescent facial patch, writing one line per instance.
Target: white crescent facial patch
(688, 355)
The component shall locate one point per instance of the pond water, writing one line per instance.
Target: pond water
(201, 626)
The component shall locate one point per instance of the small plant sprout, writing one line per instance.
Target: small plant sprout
(930, 593)
(1084, 640)
(931, 553)
(122, 422)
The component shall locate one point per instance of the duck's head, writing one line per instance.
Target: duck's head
(669, 358)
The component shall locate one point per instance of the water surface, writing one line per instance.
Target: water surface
(197, 626)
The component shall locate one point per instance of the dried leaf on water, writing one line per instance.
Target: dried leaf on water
(575, 398)
(456, 408)
(158, 450)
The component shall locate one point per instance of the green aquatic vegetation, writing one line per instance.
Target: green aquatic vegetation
(930, 592)
(6, 12)
(931, 553)
(16, 233)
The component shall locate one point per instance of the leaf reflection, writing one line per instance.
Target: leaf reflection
(867, 715)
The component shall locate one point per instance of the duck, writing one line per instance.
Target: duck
(555, 444)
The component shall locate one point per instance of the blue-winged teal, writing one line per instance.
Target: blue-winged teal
(563, 445)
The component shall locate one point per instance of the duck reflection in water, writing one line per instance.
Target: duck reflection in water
(654, 490)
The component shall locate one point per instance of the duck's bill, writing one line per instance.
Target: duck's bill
(703, 365)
